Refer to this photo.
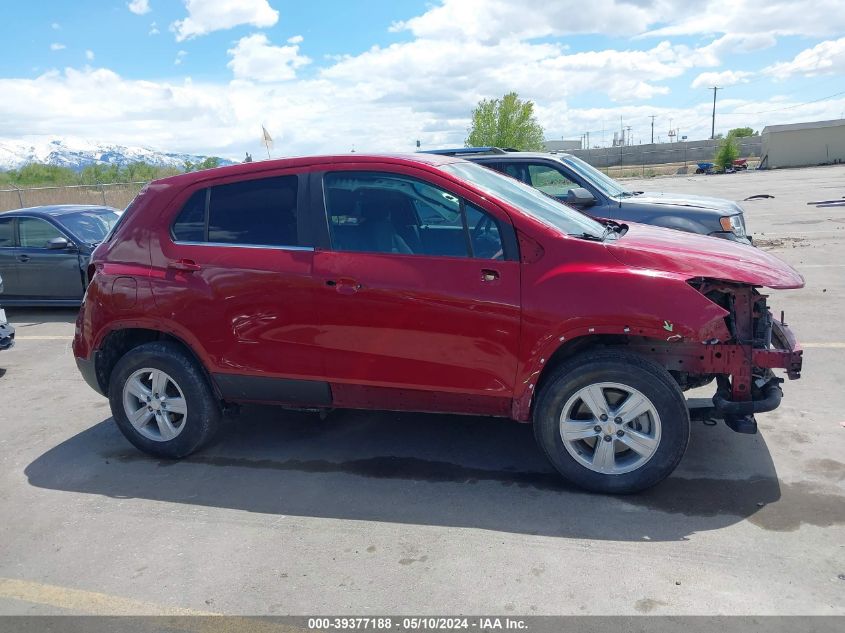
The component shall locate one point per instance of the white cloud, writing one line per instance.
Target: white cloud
(731, 44)
(823, 58)
(205, 16)
(494, 20)
(139, 7)
(426, 85)
(56, 46)
(89, 55)
(721, 79)
(55, 26)
(812, 18)
(153, 29)
(255, 58)
(323, 115)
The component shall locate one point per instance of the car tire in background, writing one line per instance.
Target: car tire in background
(611, 421)
(162, 401)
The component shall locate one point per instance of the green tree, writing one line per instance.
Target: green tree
(209, 162)
(741, 132)
(36, 174)
(505, 122)
(727, 152)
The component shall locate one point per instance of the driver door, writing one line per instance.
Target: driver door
(420, 300)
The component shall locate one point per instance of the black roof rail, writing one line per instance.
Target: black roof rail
(459, 151)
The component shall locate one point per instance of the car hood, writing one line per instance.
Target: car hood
(687, 200)
(672, 251)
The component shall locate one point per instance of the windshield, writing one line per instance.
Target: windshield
(605, 183)
(90, 226)
(526, 198)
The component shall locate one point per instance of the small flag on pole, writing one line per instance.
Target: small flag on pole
(266, 139)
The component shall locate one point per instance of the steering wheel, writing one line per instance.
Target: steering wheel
(486, 233)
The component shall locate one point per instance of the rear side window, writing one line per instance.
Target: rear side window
(254, 213)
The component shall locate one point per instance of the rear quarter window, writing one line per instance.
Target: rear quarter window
(190, 224)
(261, 212)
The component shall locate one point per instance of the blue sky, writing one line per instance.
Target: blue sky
(327, 75)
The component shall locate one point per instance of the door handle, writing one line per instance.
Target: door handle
(184, 265)
(488, 274)
(344, 286)
(23, 258)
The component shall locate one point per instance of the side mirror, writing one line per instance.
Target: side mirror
(58, 244)
(580, 197)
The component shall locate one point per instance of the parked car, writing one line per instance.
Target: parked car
(579, 184)
(44, 252)
(424, 283)
(7, 332)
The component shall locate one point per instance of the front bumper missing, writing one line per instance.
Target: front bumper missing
(785, 354)
(744, 373)
(765, 393)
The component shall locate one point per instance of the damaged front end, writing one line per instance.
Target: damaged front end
(742, 364)
(759, 343)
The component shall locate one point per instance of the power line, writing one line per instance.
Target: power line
(797, 105)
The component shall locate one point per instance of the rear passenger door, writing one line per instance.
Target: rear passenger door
(419, 304)
(235, 270)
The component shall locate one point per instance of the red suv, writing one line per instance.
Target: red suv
(425, 283)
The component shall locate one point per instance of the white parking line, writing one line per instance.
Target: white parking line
(821, 265)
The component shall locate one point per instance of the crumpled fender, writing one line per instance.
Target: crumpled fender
(587, 301)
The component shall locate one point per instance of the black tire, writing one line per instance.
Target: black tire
(204, 412)
(618, 366)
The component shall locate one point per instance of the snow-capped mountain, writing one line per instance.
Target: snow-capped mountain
(78, 153)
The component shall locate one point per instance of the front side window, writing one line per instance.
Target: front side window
(251, 213)
(550, 180)
(603, 182)
(525, 198)
(7, 237)
(380, 212)
(36, 233)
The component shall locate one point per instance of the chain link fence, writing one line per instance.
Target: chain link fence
(117, 195)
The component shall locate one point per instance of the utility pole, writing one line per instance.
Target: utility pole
(713, 125)
(652, 128)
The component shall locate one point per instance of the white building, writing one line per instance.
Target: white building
(803, 144)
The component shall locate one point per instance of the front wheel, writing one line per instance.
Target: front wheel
(612, 421)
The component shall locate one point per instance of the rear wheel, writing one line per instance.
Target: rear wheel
(612, 421)
(162, 402)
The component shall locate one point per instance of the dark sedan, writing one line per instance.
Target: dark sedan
(574, 182)
(7, 332)
(44, 252)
